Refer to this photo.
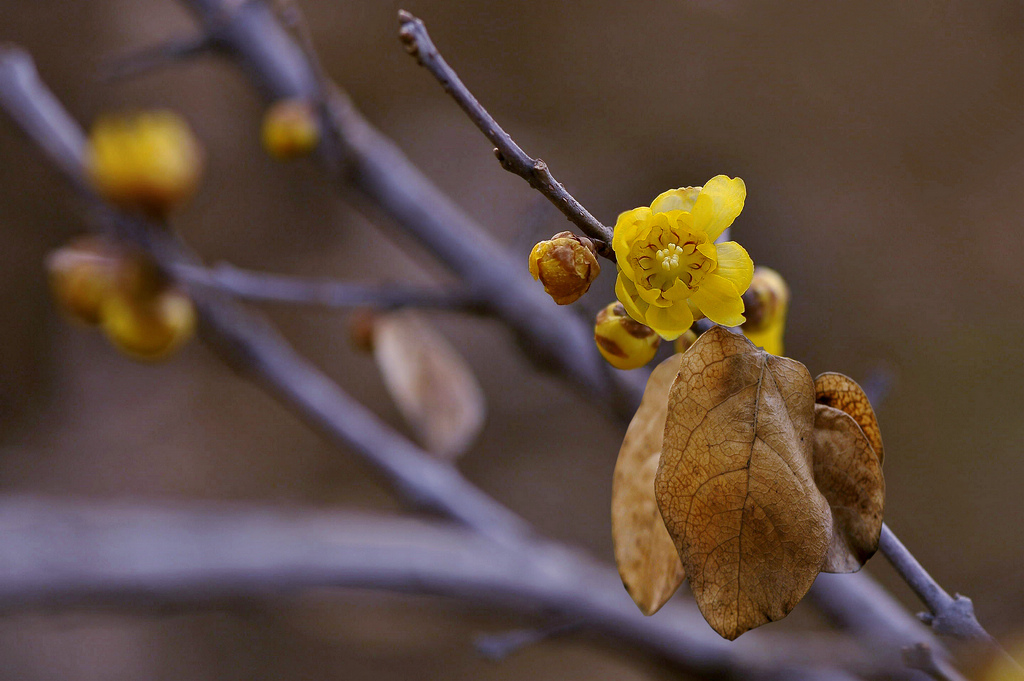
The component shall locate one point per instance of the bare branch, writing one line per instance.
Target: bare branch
(58, 552)
(950, 615)
(373, 172)
(156, 57)
(511, 156)
(279, 288)
(246, 342)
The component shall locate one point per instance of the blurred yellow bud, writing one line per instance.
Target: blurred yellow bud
(148, 162)
(684, 342)
(290, 129)
(566, 264)
(766, 315)
(82, 274)
(624, 342)
(149, 328)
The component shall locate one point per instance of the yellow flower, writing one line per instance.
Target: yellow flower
(150, 162)
(669, 262)
(767, 320)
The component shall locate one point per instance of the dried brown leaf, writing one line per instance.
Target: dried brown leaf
(849, 474)
(431, 384)
(735, 485)
(843, 393)
(647, 559)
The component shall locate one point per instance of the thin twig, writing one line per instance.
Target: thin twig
(156, 57)
(511, 156)
(280, 288)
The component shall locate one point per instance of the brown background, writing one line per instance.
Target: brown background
(883, 149)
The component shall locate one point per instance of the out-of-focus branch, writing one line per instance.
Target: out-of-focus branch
(248, 343)
(511, 156)
(374, 173)
(59, 552)
(156, 57)
(279, 288)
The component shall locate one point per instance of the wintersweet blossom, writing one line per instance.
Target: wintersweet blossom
(669, 262)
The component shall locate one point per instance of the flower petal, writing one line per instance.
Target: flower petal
(675, 199)
(626, 228)
(735, 265)
(670, 322)
(626, 292)
(718, 204)
(719, 300)
(678, 291)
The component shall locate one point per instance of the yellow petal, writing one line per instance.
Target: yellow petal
(718, 204)
(626, 292)
(652, 296)
(675, 199)
(678, 291)
(719, 300)
(670, 322)
(626, 228)
(735, 265)
(770, 337)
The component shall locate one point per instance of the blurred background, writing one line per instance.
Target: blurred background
(882, 145)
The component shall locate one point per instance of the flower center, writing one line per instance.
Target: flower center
(671, 259)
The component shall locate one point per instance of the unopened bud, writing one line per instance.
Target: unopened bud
(82, 274)
(684, 342)
(290, 129)
(149, 328)
(149, 162)
(624, 342)
(767, 301)
(566, 264)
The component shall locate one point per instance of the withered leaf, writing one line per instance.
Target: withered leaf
(735, 484)
(647, 559)
(849, 474)
(432, 386)
(842, 392)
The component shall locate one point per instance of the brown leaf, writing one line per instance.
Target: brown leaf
(648, 562)
(842, 392)
(434, 389)
(849, 474)
(735, 484)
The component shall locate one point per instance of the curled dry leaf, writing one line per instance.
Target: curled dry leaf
(843, 393)
(434, 389)
(647, 559)
(736, 486)
(849, 474)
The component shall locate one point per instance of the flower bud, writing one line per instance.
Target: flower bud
(767, 301)
(82, 274)
(149, 328)
(684, 342)
(149, 162)
(566, 264)
(624, 342)
(290, 129)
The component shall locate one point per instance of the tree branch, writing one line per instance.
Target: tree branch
(156, 57)
(373, 172)
(511, 156)
(59, 552)
(279, 288)
(246, 342)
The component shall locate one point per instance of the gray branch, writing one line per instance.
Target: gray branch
(280, 288)
(511, 156)
(60, 553)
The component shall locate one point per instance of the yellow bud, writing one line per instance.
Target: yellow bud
(290, 129)
(149, 328)
(149, 162)
(766, 311)
(684, 342)
(82, 274)
(566, 264)
(624, 342)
